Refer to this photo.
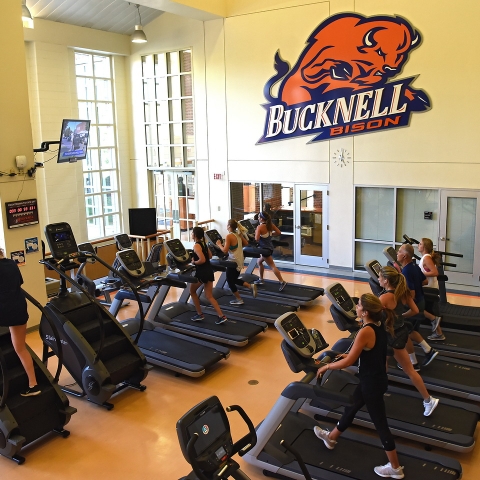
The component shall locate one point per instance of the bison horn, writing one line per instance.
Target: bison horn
(366, 39)
(416, 39)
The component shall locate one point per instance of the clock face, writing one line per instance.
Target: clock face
(341, 157)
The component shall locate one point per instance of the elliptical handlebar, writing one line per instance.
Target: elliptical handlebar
(248, 441)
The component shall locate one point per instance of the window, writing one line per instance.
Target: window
(168, 110)
(100, 178)
(384, 214)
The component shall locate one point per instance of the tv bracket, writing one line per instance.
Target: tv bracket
(44, 147)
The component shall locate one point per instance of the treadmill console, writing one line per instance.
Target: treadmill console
(209, 423)
(176, 249)
(248, 225)
(390, 253)
(213, 236)
(373, 267)
(123, 241)
(341, 300)
(130, 261)
(61, 240)
(86, 247)
(305, 342)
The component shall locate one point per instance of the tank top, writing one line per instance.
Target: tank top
(372, 363)
(432, 281)
(265, 241)
(235, 254)
(399, 309)
(205, 267)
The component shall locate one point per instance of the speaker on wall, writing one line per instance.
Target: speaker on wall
(143, 221)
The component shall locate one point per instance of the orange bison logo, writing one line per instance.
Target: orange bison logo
(346, 55)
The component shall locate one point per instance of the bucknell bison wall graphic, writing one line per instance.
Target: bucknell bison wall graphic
(343, 82)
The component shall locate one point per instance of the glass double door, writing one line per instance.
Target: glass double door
(175, 202)
(458, 233)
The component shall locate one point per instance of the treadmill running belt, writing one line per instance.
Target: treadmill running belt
(185, 351)
(455, 339)
(409, 410)
(256, 306)
(231, 327)
(356, 460)
(444, 369)
(290, 289)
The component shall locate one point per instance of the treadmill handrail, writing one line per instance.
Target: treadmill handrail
(53, 266)
(134, 290)
(5, 380)
(52, 325)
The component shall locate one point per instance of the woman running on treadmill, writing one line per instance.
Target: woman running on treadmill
(263, 235)
(234, 241)
(396, 296)
(14, 315)
(205, 275)
(370, 349)
(428, 265)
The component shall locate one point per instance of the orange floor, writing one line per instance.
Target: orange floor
(137, 439)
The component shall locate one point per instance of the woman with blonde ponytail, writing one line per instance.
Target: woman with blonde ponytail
(370, 349)
(396, 296)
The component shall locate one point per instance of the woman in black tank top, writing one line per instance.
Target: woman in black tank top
(204, 274)
(370, 349)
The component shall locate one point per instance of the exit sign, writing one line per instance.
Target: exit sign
(217, 176)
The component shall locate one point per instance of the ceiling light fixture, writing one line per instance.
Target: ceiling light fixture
(139, 35)
(26, 15)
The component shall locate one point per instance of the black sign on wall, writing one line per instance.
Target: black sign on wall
(21, 213)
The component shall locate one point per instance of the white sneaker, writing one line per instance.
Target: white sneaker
(323, 435)
(388, 471)
(258, 282)
(430, 406)
(236, 302)
(254, 290)
(436, 323)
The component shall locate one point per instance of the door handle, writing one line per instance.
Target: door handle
(442, 239)
(298, 227)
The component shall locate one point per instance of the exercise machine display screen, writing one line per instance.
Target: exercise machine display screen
(209, 426)
(131, 262)
(86, 247)
(248, 225)
(213, 236)
(61, 240)
(376, 268)
(123, 241)
(293, 333)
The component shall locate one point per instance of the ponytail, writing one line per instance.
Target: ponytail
(428, 248)
(377, 312)
(398, 282)
(268, 220)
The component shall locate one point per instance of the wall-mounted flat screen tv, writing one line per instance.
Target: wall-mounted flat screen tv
(73, 140)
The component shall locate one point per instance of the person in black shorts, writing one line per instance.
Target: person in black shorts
(263, 235)
(397, 297)
(14, 315)
(205, 275)
(370, 349)
(415, 278)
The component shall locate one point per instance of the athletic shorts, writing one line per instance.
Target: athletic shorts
(399, 340)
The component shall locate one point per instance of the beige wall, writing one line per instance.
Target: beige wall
(16, 139)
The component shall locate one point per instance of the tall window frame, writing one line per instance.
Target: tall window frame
(168, 110)
(96, 102)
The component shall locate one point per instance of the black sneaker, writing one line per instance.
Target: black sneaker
(282, 286)
(198, 317)
(31, 392)
(221, 320)
(416, 366)
(430, 356)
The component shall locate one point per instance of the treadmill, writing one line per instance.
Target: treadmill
(303, 294)
(451, 376)
(355, 454)
(451, 426)
(459, 317)
(457, 344)
(177, 316)
(179, 353)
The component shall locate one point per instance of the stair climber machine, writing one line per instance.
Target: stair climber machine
(168, 349)
(95, 288)
(304, 295)
(355, 454)
(98, 353)
(451, 426)
(177, 316)
(252, 308)
(26, 419)
(251, 250)
(461, 344)
(451, 376)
